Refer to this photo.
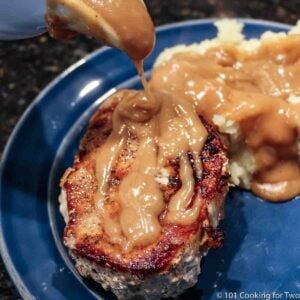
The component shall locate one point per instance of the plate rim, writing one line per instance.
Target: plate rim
(6, 257)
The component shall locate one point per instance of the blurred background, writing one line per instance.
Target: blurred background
(27, 66)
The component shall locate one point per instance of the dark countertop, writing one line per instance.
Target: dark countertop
(27, 66)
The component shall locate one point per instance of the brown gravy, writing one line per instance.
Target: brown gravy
(166, 127)
(252, 90)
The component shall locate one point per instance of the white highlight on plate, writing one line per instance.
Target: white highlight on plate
(89, 87)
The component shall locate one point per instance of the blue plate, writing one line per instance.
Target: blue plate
(262, 247)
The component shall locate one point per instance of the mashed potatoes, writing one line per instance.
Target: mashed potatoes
(244, 165)
(229, 33)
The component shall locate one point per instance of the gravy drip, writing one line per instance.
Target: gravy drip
(179, 210)
(166, 127)
(161, 137)
(252, 90)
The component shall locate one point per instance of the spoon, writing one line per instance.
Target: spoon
(20, 19)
